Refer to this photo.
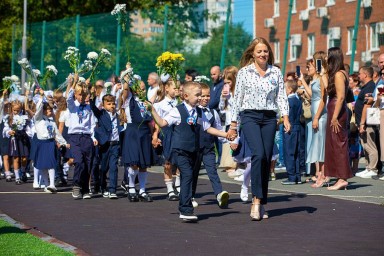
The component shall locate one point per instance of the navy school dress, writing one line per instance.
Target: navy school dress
(137, 144)
(45, 154)
(243, 152)
(4, 142)
(19, 144)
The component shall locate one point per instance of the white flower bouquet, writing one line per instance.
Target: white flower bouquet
(121, 15)
(72, 55)
(18, 122)
(97, 59)
(201, 79)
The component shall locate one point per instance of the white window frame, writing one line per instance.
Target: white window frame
(311, 46)
(311, 5)
(330, 3)
(276, 8)
(373, 38)
(350, 41)
(292, 52)
(276, 51)
(294, 4)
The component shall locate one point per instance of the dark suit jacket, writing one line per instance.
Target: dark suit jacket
(103, 131)
(216, 94)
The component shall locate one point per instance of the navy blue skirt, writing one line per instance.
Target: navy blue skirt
(243, 151)
(32, 151)
(137, 146)
(66, 152)
(19, 145)
(166, 141)
(4, 142)
(45, 154)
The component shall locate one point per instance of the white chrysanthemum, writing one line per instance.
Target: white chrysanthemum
(15, 78)
(137, 77)
(92, 55)
(201, 79)
(23, 61)
(105, 52)
(81, 79)
(52, 68)
(36, 72)
(107, 84)
(118, 8)
(73, 49)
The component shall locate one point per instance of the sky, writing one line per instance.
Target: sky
(243, 13)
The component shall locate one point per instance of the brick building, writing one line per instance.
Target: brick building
(320, 24)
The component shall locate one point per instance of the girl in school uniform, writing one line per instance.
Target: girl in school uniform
(163, 137)
(4, 141)
(17, 129)
(137, 152)
(62, 118)
(46, 151)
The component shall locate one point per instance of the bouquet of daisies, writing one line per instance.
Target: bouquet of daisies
(18, 122)
(170, 63)
(201, 79)
(8, 81)
(72, 55)
(97, 59)
(121, 15)
(134, 82)
(50, 72)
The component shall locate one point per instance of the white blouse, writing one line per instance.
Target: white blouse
(255, 92)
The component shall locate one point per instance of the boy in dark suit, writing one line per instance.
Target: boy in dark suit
(107, 134)
(291, 139)
(186, 120)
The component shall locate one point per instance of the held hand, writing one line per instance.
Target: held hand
(148, 105)
(233, 146)
(231, 135)
(95, 142)
(12, 132)
(68, 145)
(335, 125)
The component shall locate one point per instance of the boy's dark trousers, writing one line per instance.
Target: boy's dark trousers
(186, 162)
(208, 157)
(109, 155)
(82, 152)
(291, 154)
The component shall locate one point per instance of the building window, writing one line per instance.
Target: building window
(311, 5)
(277, 51)
(294, 47)
(276, 8)
(374, 38)
(330, 3)
(350, 41)
(311, 45)
(294, 6)
(333, 37)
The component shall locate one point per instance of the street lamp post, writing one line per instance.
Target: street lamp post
(24, 42)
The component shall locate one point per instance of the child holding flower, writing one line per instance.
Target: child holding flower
(137, 153)
(17, 129)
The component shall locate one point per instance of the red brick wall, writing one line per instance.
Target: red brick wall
(342, 15)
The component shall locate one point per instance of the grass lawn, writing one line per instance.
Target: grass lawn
(14, 241)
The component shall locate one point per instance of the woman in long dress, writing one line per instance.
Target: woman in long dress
(336, 161)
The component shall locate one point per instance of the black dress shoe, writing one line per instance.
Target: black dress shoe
(132, 197)
(24, 178)
(144, 197)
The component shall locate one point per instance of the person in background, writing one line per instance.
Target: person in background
(336, 159)
(190, 75)
(153, 85)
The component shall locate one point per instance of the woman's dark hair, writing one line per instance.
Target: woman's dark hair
(335, 64)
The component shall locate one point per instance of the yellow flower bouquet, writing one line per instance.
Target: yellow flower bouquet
(170, 63)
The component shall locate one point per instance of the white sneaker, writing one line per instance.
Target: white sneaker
(239, 178)
(50, 189)
(194, 203)
(368, 174)
(188, 216)
(358, 174)
(244, 194)
(222, 199)
(236, 173)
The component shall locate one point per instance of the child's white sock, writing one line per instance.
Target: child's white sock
(17, 174)
(169, 185)
(142, 181)
(177, 183)
(51, 173)
(132, 176)
(247, 175)
(36, 176)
